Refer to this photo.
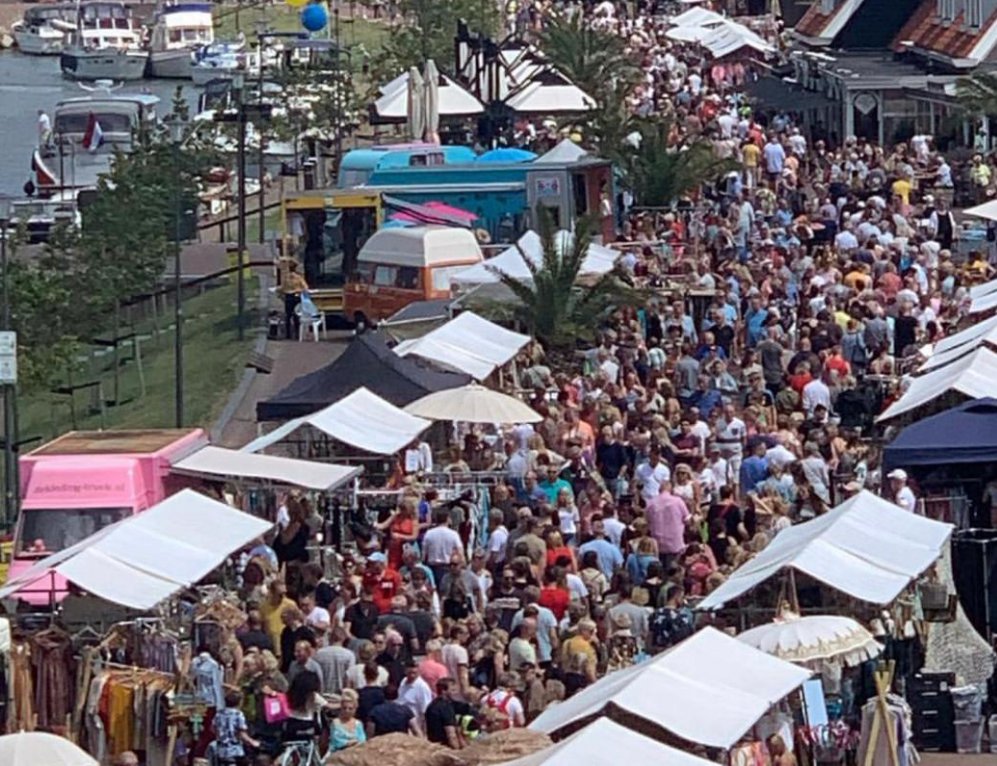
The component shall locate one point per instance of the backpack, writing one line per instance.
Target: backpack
(498, 712)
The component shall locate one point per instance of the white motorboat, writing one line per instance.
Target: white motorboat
(106, 44)
(39, 216)
(87, 132)
(179, 30)
(43, 29)
(222, 64)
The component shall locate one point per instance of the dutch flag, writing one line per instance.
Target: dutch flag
(93, 137)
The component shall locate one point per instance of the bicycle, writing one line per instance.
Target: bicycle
(300, 753)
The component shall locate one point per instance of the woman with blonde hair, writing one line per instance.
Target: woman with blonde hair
(347, 730)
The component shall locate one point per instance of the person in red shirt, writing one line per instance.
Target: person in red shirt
(799, 379)
(384, 581)
(554, 594)
(835, 361)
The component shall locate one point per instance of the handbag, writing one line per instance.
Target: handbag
(275, 708)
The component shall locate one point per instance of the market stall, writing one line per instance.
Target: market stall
(221, 463)
(718, 689)
(467, 343)
(605, 743)
(367, 363)
(866, 547)
(363, 420)
(973, 375)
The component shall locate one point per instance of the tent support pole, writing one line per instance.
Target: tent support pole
(794, 599)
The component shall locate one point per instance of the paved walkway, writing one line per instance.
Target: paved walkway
(291, 360)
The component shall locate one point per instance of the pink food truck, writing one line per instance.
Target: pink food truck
(85, 480)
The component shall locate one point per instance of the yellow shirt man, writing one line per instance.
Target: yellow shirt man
(272, 623)
(901, 188)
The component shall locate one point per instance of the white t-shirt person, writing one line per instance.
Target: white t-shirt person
(902, 494)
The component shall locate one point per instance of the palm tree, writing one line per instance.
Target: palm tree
(661, 172)
(594, 60)
(977, 94)
(552, 305)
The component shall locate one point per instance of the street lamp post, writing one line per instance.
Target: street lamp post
(176, 127)
(238, 82)
(10, 488)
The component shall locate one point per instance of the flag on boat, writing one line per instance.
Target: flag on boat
(93, 137)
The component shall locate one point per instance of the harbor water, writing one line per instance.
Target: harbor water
(30, 83)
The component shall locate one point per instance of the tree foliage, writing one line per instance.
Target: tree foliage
(66, 293)
(977, 94)
(596, 60)
(428, 33)
(553, 305)
(661, 171)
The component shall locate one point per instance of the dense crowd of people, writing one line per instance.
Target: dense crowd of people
(787, 302)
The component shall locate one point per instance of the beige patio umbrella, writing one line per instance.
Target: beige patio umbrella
(432, 93)
(473, 404)
(416, 114)
(810, 640)
(36, 748)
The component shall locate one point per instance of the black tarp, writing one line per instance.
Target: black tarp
(367, 361)
(774, 94)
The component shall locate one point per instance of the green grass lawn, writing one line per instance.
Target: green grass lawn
(214, 360)
(283, 18)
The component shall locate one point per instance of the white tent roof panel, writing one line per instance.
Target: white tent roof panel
(599, 260)
(539, 98)
(455, 101)
(218, 461)
(981, 304)
(987, 210)
(866, 547)
(362, 419)
(696, 17)
(974, 375)
(716, 690)
(148, 557)
(468, 343)
(606, 743)
(954, 346)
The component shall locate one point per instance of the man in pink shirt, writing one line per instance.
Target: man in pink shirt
(667, 519)
(431, 669)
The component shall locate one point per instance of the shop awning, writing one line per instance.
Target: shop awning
(710, 690)
(218, 462)
(987, 211)
(362, 419)
(866, 547)
(772, 93)
(973, 375)
(148, 557)
(467, 343)
(606, 743)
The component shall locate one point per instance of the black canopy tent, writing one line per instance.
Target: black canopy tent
(367, 361)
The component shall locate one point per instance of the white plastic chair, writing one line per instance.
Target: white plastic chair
(314, 322)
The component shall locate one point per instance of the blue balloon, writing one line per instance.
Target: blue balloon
(314, 17)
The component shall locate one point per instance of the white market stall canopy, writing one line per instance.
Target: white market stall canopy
(467, 343)
(866, 547)
(973, 375)
(599, 260)
(985, 289)
(232, 464)
(988, 211)
(730, 37)
(362, 419)
(961, 343)
(710, 690)
(547, 93)
(606, 743)
(146, 558)
(984, 302)
(697, 17)
(455, 101)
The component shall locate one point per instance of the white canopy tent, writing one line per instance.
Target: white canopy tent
(549, 92)
(954, 346)
(973, 375)
(232, 464)
(606, 743)
(988, 211)
(866, 547)
(363, 420)
(467, 343)
(565, 152)
(985, 289)
(599, 260)
(697, 17)
(146, 558)
(730, 37)
(454, 100)
(717, 689)
(981, 304)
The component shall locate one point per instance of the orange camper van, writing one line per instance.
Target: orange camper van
(397, 267)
